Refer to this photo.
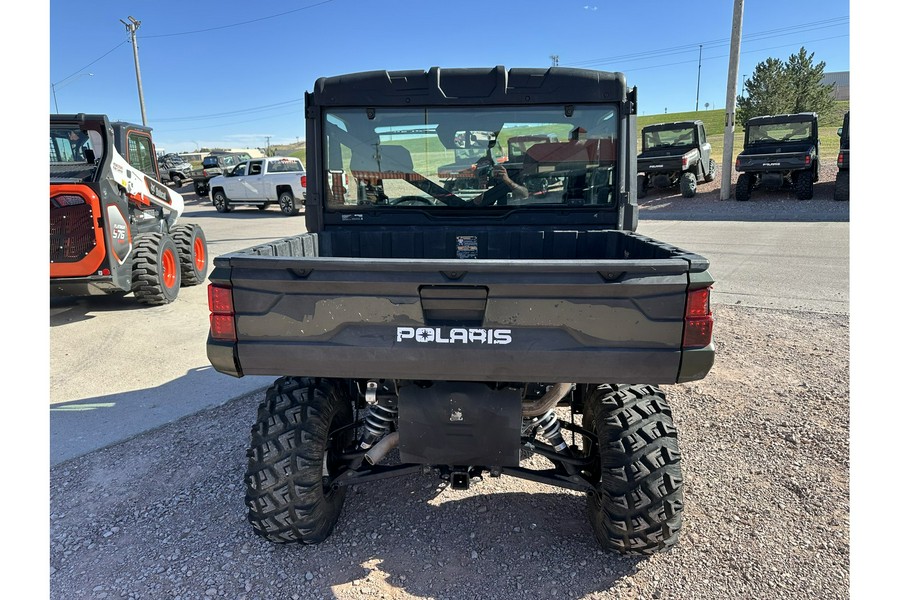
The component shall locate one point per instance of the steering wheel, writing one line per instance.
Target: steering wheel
(411, 201)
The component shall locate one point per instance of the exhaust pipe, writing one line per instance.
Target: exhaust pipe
(377, 453)
(538, 407)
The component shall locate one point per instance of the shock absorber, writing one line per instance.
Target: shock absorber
(547, 425)
(377, 422)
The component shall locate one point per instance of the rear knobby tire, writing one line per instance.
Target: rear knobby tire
(155, 269)
(743, 187)
(803, 186)
(688, 184)
(289, 496)
(711, 171)
(842, 186)
(637, 509)
(191, 243)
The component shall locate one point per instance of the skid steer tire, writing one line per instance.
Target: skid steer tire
(637, 508)
(288, 474)
(155, 271)
(192, 250)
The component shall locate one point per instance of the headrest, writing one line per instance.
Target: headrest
(392, 162)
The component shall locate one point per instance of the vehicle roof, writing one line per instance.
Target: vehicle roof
(784, 118)
(673, 125)
(469, 86)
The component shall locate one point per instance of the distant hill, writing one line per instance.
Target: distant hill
(713, 120)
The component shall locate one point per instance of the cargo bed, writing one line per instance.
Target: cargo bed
(462, 304)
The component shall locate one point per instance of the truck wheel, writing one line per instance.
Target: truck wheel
(642, 185)
(155, 270)
(220, 201)
(842, 186)
(803, 185)
(688, 184)
(711, 171)
(742, 189)
(287, 204)
(176, 181)
(638, 503)
(191, 242)
(288, 475)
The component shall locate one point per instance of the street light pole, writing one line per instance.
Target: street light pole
(131, 28)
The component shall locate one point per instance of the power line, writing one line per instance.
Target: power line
(231, 113)
(685, 62)
(802, 28)
(116, 47)
(287, 12)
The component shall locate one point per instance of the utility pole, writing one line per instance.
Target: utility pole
(64, 83)
(737, 21)
(268, 137)
(131, 28)
(554, 60)
(699, 59)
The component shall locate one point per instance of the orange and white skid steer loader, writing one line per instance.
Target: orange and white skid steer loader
(113, 224)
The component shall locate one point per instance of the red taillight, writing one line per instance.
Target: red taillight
(840, 158)
(684, 162)
(303, 180)
(737, 164)
(808, 160)
(221, 318)
(698, 321)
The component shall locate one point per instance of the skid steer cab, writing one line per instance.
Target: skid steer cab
(114, 226)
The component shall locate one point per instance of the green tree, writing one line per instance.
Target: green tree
(778, 87)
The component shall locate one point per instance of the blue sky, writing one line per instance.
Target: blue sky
(232, 74)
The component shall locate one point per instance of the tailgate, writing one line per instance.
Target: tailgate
(777, 162)
(478, 320)
(659, 163)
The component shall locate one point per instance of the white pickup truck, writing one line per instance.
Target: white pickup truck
(260, 182)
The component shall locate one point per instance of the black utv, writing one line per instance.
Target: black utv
(674, 154)
(842, 179)
(780, 151)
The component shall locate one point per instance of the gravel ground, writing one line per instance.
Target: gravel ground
(765, 444)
